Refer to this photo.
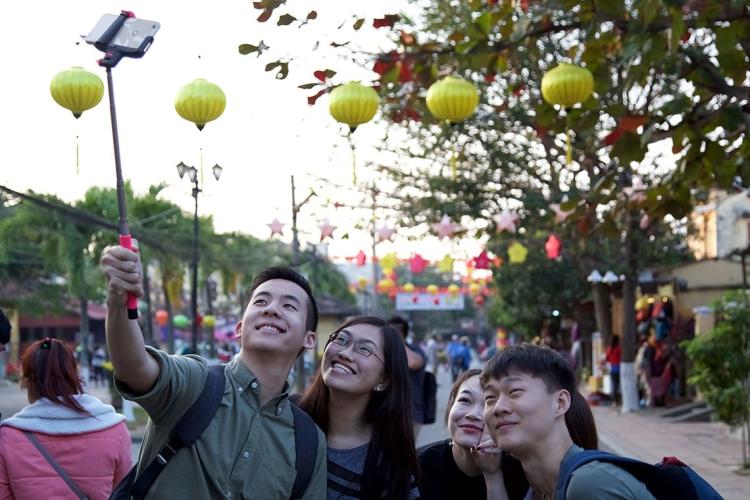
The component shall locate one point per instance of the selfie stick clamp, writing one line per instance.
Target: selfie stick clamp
(112, 55)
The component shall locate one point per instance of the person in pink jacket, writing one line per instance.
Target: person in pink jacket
(87, 439)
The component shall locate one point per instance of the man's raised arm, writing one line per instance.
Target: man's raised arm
(127, 351)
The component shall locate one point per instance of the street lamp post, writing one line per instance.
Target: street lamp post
(192, 172)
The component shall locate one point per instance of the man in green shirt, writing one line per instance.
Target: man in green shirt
(247, 451)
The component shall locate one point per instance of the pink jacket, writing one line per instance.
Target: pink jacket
(93, 451)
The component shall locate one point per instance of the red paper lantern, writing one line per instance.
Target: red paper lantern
(361, 258)
(553, 247)
(162, 317)
(417, 264)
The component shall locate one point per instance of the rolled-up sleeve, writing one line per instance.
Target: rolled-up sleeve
(181, 379)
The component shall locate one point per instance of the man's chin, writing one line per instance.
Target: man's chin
(271, 345)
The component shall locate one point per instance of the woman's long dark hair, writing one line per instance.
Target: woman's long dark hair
(580, 423)
(50, 369)
(389, 412)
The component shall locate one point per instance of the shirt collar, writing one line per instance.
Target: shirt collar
(246, 379)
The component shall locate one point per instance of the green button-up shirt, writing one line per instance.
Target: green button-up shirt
(247, 451)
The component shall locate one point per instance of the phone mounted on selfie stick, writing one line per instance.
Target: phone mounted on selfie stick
(121, 36)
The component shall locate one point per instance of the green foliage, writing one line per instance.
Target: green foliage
(324, 278)
(721, 360)
(53, 250)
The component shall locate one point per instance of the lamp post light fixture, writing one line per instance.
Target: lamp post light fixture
(594, 277)
(192, 172)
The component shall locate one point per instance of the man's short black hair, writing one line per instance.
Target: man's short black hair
(402, 326)
(289, 274)
(4, 328)
(536, 361)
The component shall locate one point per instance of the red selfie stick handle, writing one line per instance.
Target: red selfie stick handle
(126, 241)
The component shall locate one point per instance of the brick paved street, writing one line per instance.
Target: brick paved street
(706, 447)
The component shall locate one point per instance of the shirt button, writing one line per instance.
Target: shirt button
(239, 389)
(246, 454)
(279, 410)
(254, 385)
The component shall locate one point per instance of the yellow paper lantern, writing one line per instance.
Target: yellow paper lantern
(432, 289)
(517, 253)
(200, 102)
(388, 261)
(76, 89)
(209, 321)
(454, 289)
(475, 288)
(353, 104)
(362, 282)
(445, 265)
(386, 285)
(452, 99)
(409, 288)
(567, 85)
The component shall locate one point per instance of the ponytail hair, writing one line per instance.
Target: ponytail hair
(50, 369)
(580, 423)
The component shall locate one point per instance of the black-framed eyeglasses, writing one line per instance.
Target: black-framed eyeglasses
(342, 340)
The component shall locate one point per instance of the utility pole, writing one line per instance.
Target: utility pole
(300, 364)
(375, 305)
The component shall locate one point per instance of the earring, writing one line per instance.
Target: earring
(379, 388)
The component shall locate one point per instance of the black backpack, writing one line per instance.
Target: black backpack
(429, 398)
(196, 420)
(666, 480)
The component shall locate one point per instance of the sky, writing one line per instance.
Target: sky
(266, 134)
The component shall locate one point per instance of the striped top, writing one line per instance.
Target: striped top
(345, 473)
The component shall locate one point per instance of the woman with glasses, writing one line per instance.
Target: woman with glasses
(360, 399)
(64, 444)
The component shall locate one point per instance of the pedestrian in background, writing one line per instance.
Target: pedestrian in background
(64, 439)
(454, 360)
(97, 364)
(417, 361)
(612, 356)
(360, 398)
(433, 348)
(5, 329)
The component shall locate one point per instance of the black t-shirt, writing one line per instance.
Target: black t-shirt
(441, 479)
(4, 328)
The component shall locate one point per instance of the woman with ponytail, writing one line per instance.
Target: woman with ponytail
(360, 399)
(64, 444)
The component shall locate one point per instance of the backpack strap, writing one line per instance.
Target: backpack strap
(187, 431)
(306, 450)
(65, 477)
(666, 480)
(574, 462)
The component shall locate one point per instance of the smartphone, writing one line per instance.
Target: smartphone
(129, 37)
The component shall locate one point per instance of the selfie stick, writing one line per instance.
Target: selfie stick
(112, 56)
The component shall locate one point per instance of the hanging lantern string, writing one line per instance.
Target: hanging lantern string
(454, 156)
(569, 148)
(78, 164)
(354, 156)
